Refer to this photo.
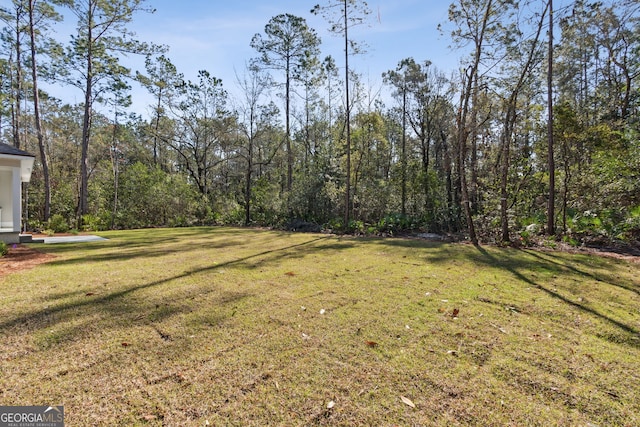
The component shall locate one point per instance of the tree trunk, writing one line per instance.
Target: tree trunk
(156, 130)
(83, 196)
(462, 156)
(404, 152)
(347, 196)
(247, 190)
(36, 110)
(504, 179)
(551, 228)
(288, 127)
(116, 171)
(17, 112)
(509, 124)
(473, 187)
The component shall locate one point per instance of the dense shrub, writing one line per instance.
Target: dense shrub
(58, 224)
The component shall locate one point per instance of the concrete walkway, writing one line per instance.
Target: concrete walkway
(73, 239)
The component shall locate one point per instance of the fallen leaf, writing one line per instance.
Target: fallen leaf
(455, 312)
(407, 401)
(290, 273)
(504, 331)
(452, 352)
(149, 417)
(125, 344)
(88, 294)
(331, 404)
(371, 344)
(442, 310)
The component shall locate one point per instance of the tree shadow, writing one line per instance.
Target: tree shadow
(122, 249)
(487, 258)
(112, 302)
(550, 258)
(447, 252)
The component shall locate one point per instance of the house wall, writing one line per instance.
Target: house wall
(6, 197)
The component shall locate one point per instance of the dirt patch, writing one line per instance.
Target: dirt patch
(21, 257)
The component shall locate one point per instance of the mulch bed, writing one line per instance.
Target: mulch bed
(21, 257)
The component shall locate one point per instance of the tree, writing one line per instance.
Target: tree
(399, 78)
(551, 208)
(352, 12)
(162, 81)
(203, 129)
(13, 35)
(253, 117)
(287, 45)
(618, 34)
(523, 55)
(371, 156)
(422, 89)
(40, 12)
(474, 20)
(92, 64)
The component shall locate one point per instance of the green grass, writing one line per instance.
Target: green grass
(184, 327)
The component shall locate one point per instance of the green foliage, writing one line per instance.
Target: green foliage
(525, 238)
(4, 249)
(571, 241)
(612, 224)
(335, 225)
(356, 227)
(395, 223)
(58, 224)
(151, 197)
(187, 164)
(267, 207)
(96, 222)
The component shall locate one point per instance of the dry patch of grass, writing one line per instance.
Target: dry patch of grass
(248, 327)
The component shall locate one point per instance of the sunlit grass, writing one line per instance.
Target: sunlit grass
(252, 327)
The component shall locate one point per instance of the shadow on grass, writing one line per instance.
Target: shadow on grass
(599, 278)
(129, 246)
(519, 268)
(490, 259)
(49, 316)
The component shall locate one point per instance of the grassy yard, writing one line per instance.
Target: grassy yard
(224, 326)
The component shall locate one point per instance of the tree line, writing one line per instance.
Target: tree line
(536, 133)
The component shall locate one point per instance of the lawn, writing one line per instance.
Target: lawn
(240, 327)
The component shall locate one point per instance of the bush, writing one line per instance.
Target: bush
(4, 249)
(395, 223)
(95, 223)
(334, 225)
(58, 224)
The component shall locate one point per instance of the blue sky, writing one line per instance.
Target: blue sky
(215, 36)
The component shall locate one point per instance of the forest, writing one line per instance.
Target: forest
(535, 137)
